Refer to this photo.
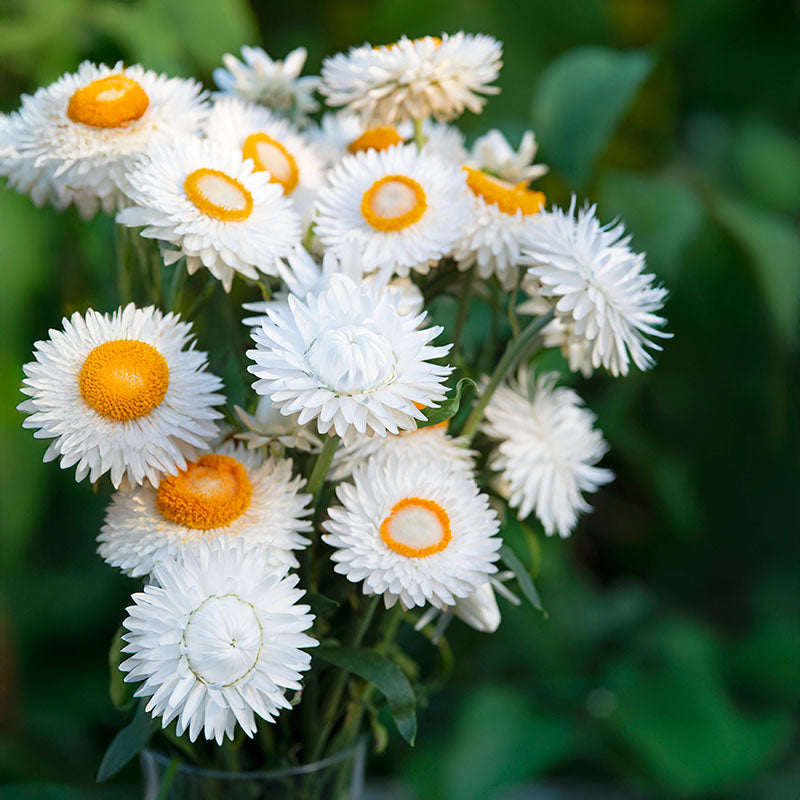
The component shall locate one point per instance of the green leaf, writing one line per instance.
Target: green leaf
(126, 744)
(121, 693)
(772, 244)
(524, 579)
(448, 409)
(385, 675)
(579, 101)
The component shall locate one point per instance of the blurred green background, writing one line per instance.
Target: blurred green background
(669, 664)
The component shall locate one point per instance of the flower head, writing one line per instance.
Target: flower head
(120, 394)
(605, 301)
(215, 640)
(548, 449)
(267, 427)
(348, 358)
(493, 154)
(413, 531)
(414, 78)
(207, 205)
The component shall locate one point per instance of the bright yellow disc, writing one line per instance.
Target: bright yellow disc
(378, 138)
(109, 102)
(508, 197)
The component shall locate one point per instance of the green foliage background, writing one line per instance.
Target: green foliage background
(669, 664)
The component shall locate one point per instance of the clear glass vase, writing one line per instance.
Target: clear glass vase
(339, 777)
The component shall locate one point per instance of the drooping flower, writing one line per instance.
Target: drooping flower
(273, 144)
(413, 531)
(75, 140)
(205, 204)
(414, 78)
(348, 359)
(216, 640)
(406, 209)
(274, 84)
(267, 427)
(120, 393)
(548, 449)
(228, 493)
(493, 154)
(605, 301)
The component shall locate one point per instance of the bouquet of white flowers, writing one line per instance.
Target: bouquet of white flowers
(378, 462)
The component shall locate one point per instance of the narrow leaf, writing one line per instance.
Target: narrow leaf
(448, 409)
(385, 675)
(524, 579)
(126, 744)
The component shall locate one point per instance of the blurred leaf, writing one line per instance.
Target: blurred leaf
(387, 677)
(580, 99)
(772, 244)
(660, 211)
(448, 409)
(40, 791)
(121, 693)
(524, 579)
(126, 744)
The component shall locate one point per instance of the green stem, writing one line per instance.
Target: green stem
(419, 137)
(122, 250)
(176, 287)
(514, 350)
(169, 777)
(512, 314)
(463, 309)
(321, 467)
(331, 709)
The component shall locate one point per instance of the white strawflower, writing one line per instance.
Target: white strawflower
(598, 287)
(273, 144)
(414, 78)
(406, 209)
(269, 428)
(431, 442)
(548, 449)
(120, 393)
(414, 532)
(205, 204)
(501, 221)
(348, 359)
(228, 493)
(275, 84)
(493, 154)
(215, 640)
(75, 140)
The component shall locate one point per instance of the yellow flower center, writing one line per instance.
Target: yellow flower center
(270, 155)
(416, 528)
(108, 102)
(218, 195)
(378, 138)
(509, 198)
(124, 379)
(394, 202)
(210, 493)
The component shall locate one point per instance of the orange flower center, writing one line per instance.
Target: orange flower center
(269, 155)
(394, 202)
(124, 379)
(218, 195)
(416, 528)
(108, 102)
(210, 493)
(378, 138)
(509, 198)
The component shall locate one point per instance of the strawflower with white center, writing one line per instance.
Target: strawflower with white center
(229, 493)
(275, 84)
(348, 359)
(548, 449)
(406, 209)
(216, 640)
(500, 224)
(597, 286)
(122, 393)
(267, 427)
(414, 78)
(75, 140)
(204, 204)
(493, 154)
(413, 532)
(431, 442)
(273, 144)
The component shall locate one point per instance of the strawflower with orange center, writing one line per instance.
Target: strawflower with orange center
(108, 102)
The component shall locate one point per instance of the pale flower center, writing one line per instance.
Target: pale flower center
(416, 527)
(352, 359)
(394, 202)
(218, 195)
(270, 155)
(222, 640)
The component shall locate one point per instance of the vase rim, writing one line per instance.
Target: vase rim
(284, 772)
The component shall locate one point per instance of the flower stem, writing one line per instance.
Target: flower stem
(463, 309)
(321, 466)
(419, 137)
(514, 350)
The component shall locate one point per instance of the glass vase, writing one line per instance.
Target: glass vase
(338, 777)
